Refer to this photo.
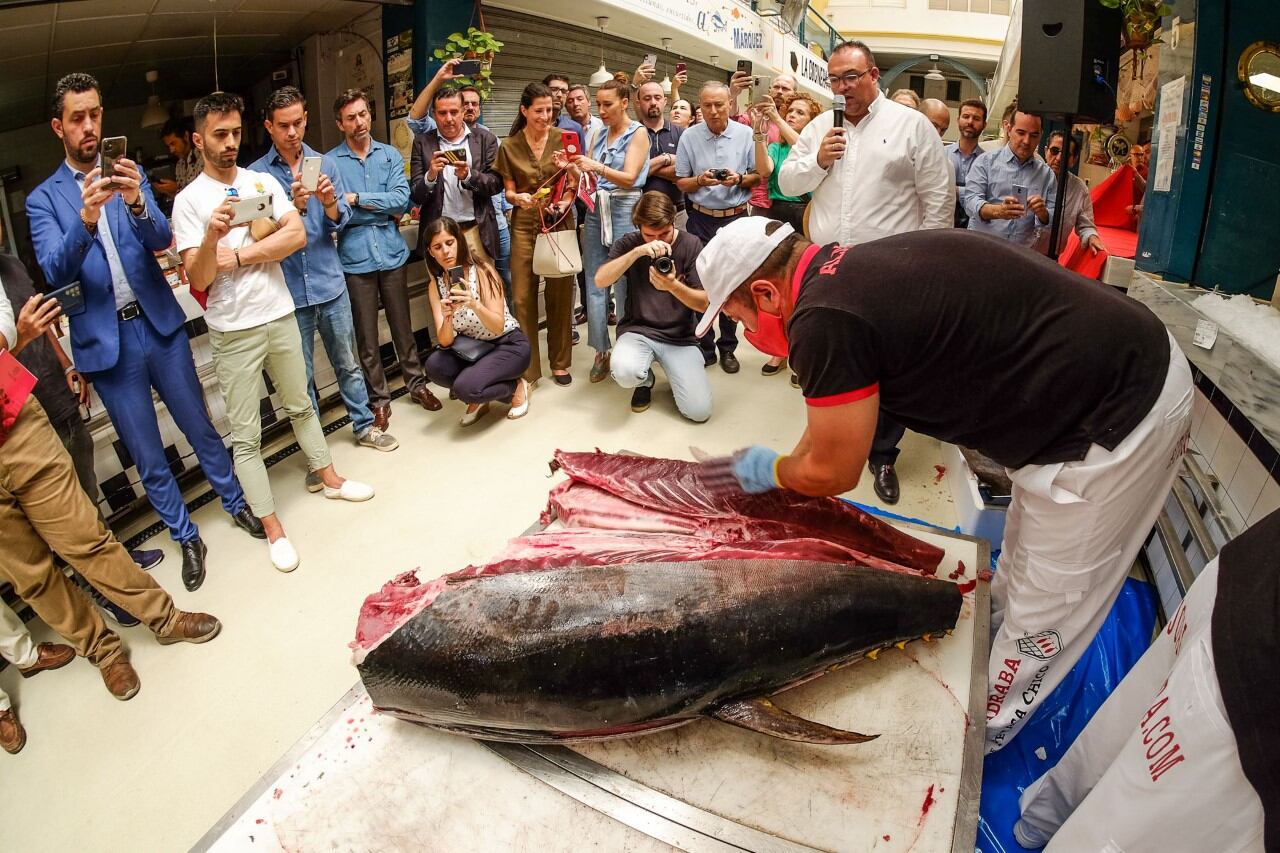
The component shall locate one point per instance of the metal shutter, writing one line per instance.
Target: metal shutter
(536, 47)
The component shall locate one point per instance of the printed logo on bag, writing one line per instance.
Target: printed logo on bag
(1042, 646)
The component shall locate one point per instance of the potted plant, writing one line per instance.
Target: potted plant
(473, 44)
(1141, 20)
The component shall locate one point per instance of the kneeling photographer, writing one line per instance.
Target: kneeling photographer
(664, 297)
(482, 353)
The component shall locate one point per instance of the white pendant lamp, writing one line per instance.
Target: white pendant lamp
(602, 75)
(155, 115)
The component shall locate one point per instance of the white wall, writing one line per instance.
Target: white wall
(910, 26)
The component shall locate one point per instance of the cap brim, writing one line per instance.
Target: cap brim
(709, 316)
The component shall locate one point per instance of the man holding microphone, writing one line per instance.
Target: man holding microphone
(879, 171)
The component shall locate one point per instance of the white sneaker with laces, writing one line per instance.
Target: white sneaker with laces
(350, 490)
(283, 555)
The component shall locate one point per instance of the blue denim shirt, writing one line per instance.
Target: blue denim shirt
(992, 177)
(371, 241)
(314, 272)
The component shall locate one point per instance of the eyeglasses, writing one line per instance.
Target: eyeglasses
(1055, 150)
(847, 79)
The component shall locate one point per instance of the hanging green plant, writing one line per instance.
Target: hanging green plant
(1141, 20)
(473, 44)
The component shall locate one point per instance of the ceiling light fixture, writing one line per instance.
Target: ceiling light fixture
(934, 73)
(155, 114)
(602, 75)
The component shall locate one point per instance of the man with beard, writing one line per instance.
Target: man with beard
(314, 273)
(971, 121)
(374, 255)
(103, 232)
(664, 140)
(559, 86)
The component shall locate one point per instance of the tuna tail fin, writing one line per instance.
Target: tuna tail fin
(761, 715)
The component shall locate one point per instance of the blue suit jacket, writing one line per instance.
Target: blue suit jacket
(68, 252)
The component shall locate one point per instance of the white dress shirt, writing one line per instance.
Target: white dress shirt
(893, 177)
(458, 205)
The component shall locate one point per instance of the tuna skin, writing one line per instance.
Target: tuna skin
(585, 653)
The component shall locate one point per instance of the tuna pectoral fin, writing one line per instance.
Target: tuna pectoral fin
(761, 715)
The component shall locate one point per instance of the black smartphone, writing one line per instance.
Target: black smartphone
(467, 68)
(454, 274)
(113, 148)
(454, 155)
(71, 298)
(744, 66)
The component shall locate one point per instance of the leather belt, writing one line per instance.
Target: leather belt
(720, 214)
(129, 312)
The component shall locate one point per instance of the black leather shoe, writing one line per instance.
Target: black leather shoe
(193, 554)
(885, 482)
(249, 523)
(729, 362)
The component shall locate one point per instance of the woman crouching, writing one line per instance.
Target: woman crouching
(482, 352)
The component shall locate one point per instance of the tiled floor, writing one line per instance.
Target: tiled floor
(156, 772)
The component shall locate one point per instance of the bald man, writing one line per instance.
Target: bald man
(937, 114)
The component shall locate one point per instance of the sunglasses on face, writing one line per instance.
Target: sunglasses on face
(1055, 150)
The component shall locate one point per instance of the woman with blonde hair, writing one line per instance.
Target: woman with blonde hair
(482, 353)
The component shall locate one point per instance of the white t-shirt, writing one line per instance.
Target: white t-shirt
(251, 295)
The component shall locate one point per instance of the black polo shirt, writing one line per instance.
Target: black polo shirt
(665, 141)
(653, 313)
(976, 342)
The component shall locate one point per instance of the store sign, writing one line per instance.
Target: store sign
(809, 68)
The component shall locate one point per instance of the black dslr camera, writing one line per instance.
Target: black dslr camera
(664, 265)
(720, 174)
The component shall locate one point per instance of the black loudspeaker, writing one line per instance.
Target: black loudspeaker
(1066, 46)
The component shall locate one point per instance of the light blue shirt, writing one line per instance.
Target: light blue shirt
(992, 177)
(700, 150)
(371, 240)
(119, 281)
(426, 124)
(615, 156)
(959, 162)
(314, 272)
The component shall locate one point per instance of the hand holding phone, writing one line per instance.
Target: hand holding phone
(467, 68)
(651, 60)
(310, 177)
(113, 148)
(572, 143)
(245, 210)
(71, 298)
(682, 67)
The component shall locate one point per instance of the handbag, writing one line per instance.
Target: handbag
(556, 254)
(470, 349)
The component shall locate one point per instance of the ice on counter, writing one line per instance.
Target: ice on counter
(1253, 324)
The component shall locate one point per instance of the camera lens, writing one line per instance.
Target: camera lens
(664, 265)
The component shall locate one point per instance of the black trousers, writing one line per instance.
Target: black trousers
(704, 228)
(493, 377)
(884, 446)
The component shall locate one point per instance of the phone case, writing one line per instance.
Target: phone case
(250, 209)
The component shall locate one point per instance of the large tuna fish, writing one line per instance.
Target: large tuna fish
(589, 652)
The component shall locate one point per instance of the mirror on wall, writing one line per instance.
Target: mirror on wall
(1259, 73)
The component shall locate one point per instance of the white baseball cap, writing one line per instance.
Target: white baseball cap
(735, 252)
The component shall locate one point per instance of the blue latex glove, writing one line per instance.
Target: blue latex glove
(756, 469)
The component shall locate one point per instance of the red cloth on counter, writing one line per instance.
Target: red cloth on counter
(1117, 228)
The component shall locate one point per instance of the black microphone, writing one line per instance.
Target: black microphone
(837, 110)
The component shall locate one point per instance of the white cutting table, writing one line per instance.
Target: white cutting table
(362, 781)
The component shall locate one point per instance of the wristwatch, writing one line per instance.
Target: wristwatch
(758, 137)
(356, 203)
(138, 208)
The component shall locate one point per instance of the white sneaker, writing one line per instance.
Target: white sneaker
(283, 556)
(350, 490)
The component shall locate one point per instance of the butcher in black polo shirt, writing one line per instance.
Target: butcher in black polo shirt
(1079, 391)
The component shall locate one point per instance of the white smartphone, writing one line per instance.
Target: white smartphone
(310, 177)
(1021, 193)
(246, 210)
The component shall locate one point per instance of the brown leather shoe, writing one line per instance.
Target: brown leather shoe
(382, 416)
(13, 737)
(191, 628)
(121, 679)
(424, 398)
(49, 656)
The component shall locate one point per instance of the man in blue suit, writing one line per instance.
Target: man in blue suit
(130, 338)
